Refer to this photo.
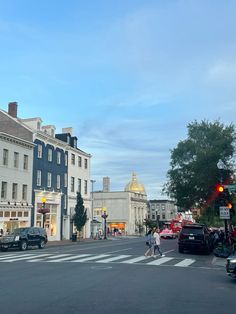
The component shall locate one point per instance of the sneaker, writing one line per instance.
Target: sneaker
(162, 255)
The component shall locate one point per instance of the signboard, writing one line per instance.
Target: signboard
(224, 212)
(44, 210)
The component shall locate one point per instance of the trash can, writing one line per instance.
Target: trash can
(74, 237)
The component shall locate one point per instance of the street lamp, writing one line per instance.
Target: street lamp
(92, 181)
(104, 216)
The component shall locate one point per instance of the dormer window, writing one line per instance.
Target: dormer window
(68, 139)
(38, 125)
(75, 143)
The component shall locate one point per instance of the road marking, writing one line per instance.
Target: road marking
(130, 248)
(26, 257)
(168, 251)
(160, 261)
(90, 258)
(14, 256)
(60, 255)
(111, 259)
(186, 262)
(135, 260)
(56, 260)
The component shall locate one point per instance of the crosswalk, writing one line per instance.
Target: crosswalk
(98, 258)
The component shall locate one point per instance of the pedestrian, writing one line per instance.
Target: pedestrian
(150, 243)
(157, 243)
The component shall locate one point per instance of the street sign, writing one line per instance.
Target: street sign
(224, 212)
(232, 187)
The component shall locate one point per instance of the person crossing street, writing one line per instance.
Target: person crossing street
(157, 242)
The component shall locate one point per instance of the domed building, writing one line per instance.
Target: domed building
(126, 209)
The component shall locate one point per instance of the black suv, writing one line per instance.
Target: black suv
(195, 237)
(24, 237)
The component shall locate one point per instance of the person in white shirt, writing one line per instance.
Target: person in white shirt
(157, 244)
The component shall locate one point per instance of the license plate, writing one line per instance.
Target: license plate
(191, 238)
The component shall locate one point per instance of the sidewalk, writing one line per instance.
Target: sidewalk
(219, 261)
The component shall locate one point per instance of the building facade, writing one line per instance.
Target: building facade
(161, 210)
(125, 209)
(78, 177)
(16, 166)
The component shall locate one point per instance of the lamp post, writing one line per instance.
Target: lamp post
(92, 181)
(104, 216)
(221, 167)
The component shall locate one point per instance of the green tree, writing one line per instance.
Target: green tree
(139, 227)
(193, 173)
(80, 216)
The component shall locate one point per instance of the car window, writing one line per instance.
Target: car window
(192, 230)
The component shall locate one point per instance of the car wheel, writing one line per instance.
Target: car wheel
(42, 244)
(181, 249)
(23, 245)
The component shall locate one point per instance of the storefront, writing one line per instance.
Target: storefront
(14, 216)
(117, 227)
(50, 220)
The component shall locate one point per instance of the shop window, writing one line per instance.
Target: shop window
(7, 214)
(1, 213)
(13, 214)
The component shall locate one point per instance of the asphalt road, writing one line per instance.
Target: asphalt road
(113, 277)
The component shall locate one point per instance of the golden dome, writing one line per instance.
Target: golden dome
(135, 186)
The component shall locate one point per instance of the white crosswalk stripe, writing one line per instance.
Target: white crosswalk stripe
(186, 262)
(99, 258)
(112, 259)
(160, 261)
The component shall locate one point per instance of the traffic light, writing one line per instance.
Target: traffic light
(220, 188)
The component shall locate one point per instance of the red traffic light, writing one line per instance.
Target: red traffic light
(220, 188)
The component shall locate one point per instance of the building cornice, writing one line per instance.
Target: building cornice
(16, 140)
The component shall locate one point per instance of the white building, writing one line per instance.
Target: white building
(16, 166)
(78, 177)
(125, 209)
(161, 210)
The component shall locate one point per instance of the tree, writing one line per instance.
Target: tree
(80, 216)
(193, 175)
(139, 227)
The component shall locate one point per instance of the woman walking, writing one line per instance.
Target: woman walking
(150, 243)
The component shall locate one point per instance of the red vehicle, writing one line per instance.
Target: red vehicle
(176, 224)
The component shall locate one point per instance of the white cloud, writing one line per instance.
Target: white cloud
(223, 71)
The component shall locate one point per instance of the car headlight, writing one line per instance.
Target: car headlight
(232, 260)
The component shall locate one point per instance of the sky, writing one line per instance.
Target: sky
(128, 76)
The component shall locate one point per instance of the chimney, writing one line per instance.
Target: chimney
(106, 184)
(12, 109)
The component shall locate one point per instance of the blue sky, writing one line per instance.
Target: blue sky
(128, 76)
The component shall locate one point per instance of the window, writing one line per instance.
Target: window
(14, 191)
(66, 160)
(16, 160)
(49, 180)
(79, 185)
(73, 159)
(49, 154)
(26, 214)
(85, 163)
(72, 184)
(79, 161)
(40, 151)
(24, 192)
(153, 217)
(75, 143)
(5, 157)
(58, 158)
(163, 216)
(4, 190)
(19, 214)
(85, 187)
(39, 175)
(25, 165)
(58, 181)
(13, 214)
(65, 180)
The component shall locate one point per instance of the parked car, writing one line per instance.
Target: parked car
(195, 237)
(167, 234)
(24, 237)
(231, 266)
